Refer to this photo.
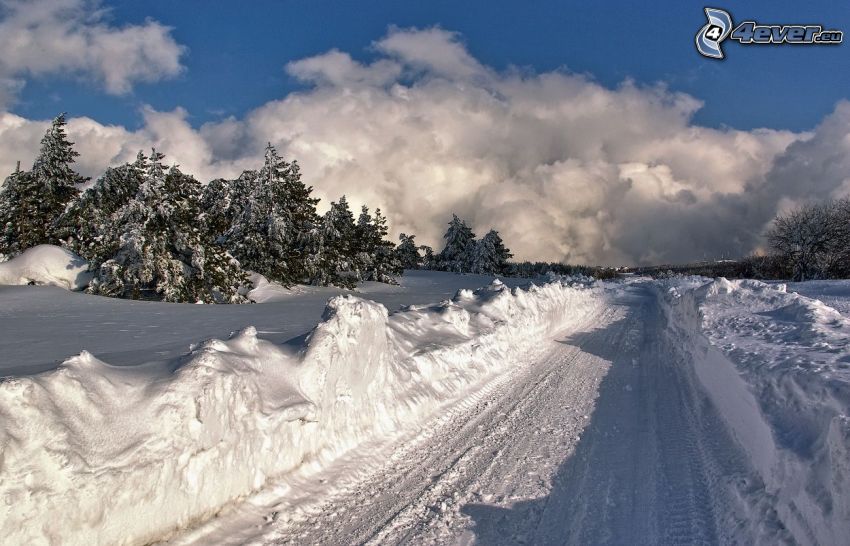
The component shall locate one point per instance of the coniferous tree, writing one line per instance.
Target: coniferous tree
(336, 247)
(490, 256)
(430, 260)
(224, 202)
(460, 245)
(301, 209)
(407, 252)
(32, 203)
(275, 229)
(216, 202)
(365, 244)
(503, 253)
(385, 264)
(87, 227)
(161, 246)
(374, 255)
(15, 212)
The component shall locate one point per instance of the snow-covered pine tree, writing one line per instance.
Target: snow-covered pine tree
(407, 252)
(503, 254)
(336, 244)
(15, 212)
(430, 261)
(300, 206)
(224, 202)
(364, 245)
(216, 201)
(32, 202)
(460, 244)
(385, 265)
(273, 233)
(490, 256)
(161, 248)
(87, 227)
(374, 255)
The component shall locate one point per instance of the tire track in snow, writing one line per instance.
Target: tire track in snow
(657, 465)
(502, 449)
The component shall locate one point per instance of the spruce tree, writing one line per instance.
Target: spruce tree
(430, 261)
(161, 250)
(273, 232)
(490, 256)
(336, 244)
(32, 203)
(460, 244)
(364, 245)
(15, 213)
(87, 226)
(216, 200)
(385, 264)
(503, 254)
(407, 252)
(300, 207)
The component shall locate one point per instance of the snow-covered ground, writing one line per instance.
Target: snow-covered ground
(679, 411)
(107, 454)
(43, 325)
(777, 366)
(836, 294)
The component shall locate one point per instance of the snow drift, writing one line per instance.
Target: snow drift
(47, 264)
(777, 366)
(96, 454)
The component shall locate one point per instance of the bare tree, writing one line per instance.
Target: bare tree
(812, 239)
(842, 241)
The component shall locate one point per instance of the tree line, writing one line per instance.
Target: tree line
(463, 253)
(154, 232)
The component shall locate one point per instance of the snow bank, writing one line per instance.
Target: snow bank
(96, 454)
(47, 264)
(777, 366)
(834, 293)
(260, 290)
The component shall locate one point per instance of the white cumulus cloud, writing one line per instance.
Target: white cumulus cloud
(74, 37)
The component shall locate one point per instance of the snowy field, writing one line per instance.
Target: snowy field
(679, 411)
(44, 325)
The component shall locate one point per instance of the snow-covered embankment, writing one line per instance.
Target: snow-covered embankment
(776, 366)
(95, 454)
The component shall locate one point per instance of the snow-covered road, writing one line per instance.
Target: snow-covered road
(678, 411)
(603, 437)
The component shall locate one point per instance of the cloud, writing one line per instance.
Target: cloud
(566, 168)
(338, 68)
(434, 50)
(74, 37)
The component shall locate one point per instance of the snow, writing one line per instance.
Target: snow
(714, 410)
(172, 442)
(602, 434)
(46, 265)
(777, 364)
(40, 326)
(835, 294)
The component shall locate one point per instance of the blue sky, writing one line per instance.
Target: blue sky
(237, 50)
